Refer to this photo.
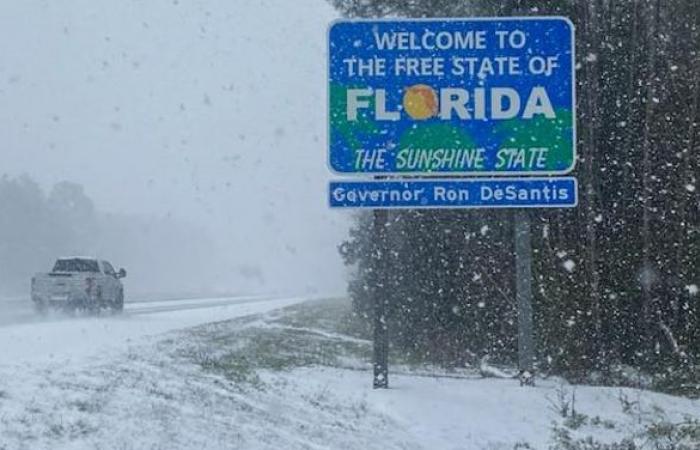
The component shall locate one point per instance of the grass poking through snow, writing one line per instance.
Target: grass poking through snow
(310, 334)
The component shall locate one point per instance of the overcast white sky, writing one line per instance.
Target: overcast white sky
(213, 111)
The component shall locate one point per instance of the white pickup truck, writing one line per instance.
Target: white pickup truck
(79, 283)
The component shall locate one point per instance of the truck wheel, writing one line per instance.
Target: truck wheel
(99, 301)
(94, 306)
(118, 303)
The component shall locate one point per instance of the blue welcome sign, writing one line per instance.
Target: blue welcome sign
(452, 97)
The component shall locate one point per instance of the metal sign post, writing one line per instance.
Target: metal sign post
(523, 289)
(380, 293)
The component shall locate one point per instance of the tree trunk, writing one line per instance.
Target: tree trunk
(647, 273)
(592, 35)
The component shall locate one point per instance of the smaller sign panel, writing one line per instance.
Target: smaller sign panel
(456, 193)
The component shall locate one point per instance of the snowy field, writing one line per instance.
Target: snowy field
(244, 373)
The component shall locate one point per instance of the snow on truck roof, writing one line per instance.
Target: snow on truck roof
(76, 257)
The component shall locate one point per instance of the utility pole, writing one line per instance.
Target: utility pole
(380, 292)
(523, 288)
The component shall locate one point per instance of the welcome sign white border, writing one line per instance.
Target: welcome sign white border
(545, 173)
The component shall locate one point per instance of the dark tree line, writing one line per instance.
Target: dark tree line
(615, 280)
(36, 227)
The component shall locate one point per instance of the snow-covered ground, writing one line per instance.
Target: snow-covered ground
(171, 380)
(62, 338)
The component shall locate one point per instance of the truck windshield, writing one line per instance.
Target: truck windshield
(76, 265)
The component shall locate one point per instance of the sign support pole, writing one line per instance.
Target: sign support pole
(380, 291)
(523, 286)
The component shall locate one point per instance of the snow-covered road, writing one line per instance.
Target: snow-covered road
(59, 338)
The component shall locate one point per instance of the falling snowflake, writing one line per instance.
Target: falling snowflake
(692, 289)
(569, 265)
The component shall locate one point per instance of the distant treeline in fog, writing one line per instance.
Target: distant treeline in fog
(161, 254)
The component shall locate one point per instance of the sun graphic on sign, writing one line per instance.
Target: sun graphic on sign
(420, 102)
